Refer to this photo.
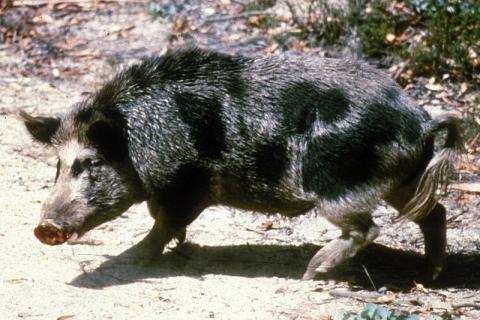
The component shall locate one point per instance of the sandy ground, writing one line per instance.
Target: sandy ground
(230, 267)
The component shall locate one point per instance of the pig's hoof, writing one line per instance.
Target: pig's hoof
(308, 276)
(311, 275)
(322, 269)
(435, 266)
(180, 237)
(436, 271)
(317, 272)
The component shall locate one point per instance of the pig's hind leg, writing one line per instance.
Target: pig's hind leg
(358, 230)
(433, 226)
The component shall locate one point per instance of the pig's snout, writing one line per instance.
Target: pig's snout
(50, 234)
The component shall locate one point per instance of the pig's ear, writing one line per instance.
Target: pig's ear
(108, 139)
(42, 129)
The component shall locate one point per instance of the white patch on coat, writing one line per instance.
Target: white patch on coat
(71, 150)
(66, 197)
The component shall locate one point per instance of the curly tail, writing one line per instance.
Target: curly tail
(438, 170)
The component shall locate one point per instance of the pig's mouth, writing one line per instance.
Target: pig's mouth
(53, 235)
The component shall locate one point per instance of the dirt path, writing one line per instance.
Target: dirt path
(232, 266)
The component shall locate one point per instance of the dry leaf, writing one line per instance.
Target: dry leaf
(390, 37)
(180, 26)
(388, 298)
(15, 281)
(43, 18)
(255, 20)
(266, 225)
(420, 287)
(472, 54)
(209, 11)
(73, 73)
(233, 37)
(82, 53)
(56, 72)
(441, 95)
(434, 87)
(281, 290)
(271, 48)
(473, 187)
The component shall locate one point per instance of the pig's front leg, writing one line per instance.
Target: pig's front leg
(164, 229)
(175, 207)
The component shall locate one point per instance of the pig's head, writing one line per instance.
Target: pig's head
(95, 181)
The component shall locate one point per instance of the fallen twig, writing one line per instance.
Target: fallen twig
(369, 278)
(466, 305)
(473, 141)
(467, 187)
(242, 15)
(266, 235)
(36, 3)
(88, 242)
(256, 231)
(400, 70)
(342, 293)
(454, 217)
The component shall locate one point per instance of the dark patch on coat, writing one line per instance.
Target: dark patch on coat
(336, 162)
(271, 160)
(391, 93)
(411, 127)
(100, 123)
(409, 120)
(197, 66)
(203, 118)
(108, 139)
(83, 115)
(185, 195)
(304, 102)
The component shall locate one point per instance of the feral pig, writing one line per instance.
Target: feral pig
(288, 133)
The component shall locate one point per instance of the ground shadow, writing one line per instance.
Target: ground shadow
(396, 269)
(399, 270)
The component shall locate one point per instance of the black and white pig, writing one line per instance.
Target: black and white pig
(196, 128)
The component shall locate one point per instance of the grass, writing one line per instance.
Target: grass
(436, 37)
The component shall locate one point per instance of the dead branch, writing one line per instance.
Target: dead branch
(36, 3)
(466, 305)
(342, 293)
(243, 15)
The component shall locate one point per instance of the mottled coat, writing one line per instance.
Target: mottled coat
(289, 133)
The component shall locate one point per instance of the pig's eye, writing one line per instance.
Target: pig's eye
(58, 171)
(96, 163)
(79, 166)
(87, 163)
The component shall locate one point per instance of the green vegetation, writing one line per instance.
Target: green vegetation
(435, 37)
(453, 39)
(376, 312)
(321, 24)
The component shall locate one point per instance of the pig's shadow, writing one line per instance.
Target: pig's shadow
(396, 269)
